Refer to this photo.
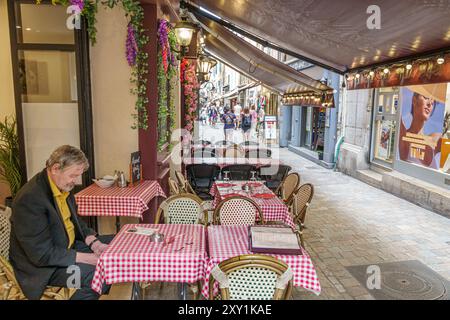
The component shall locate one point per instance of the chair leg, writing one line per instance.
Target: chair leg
(6, 290)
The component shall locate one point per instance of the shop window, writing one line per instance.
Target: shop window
(385, 125)
(424, 130)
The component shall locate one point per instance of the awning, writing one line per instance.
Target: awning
(336, 33)
(248, 86)
(259, 65)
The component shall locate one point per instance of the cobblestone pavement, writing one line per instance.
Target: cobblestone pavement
(352, 223)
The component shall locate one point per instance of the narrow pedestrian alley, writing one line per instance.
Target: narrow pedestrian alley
(351, 223)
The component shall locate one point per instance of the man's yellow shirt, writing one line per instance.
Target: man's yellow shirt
(61, 200)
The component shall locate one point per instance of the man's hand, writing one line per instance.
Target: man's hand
(87, 258)
(98, 248)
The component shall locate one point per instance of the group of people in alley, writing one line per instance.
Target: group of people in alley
(247, 119)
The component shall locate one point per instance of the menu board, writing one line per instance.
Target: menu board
(281, 240)
(135, 167)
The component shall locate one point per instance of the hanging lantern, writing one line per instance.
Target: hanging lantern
(205, 64)
(184, 31)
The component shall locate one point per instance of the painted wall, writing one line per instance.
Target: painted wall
(6, 81)
(112, 102)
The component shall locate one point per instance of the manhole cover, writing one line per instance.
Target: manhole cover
(411, 286)
(404, 280)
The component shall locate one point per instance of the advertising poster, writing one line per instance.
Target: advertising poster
(270, 127)
(384, 145)
(445, 148)
(422, 124)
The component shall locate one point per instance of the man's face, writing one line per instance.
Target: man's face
(65, 179)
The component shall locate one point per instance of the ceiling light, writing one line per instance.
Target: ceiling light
(440, 60)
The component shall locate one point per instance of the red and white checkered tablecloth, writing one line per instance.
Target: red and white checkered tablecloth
(134, 258)
(225, 242)
(116, 201)
(223, 162)
(273, 209)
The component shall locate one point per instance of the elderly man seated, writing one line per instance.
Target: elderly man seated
(50, 245)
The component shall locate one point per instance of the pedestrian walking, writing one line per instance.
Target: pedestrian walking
(229, 120)
(246, 123)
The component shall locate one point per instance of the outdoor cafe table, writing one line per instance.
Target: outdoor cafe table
(134, 258)
(115, 201)
(220, 150)
(273, 209)
(225, 242)
(222, 162)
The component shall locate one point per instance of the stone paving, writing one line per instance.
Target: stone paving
(352, 223)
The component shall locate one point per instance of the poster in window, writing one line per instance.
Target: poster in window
(384, 140)
(422, 124)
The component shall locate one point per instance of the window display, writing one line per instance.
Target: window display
(424, 125)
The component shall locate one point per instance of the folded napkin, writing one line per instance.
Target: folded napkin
(232, 195)
(254, 184)
(225, 185)
(264, 195)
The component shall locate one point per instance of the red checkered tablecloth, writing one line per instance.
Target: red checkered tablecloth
(223, 162)
(134, 258)
(115, 201)
(229, 241)
(273, 209)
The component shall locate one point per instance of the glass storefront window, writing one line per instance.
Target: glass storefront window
(385, 125)
(45, 23)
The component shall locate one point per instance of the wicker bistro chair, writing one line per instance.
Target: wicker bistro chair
(300, 203)
(10, 290)
(239, 171)
(288, 187)
(249, 143)
(273, 181)
(238, 211)
(184, 185)
(183, 208)
(252, 277)
(205, 152)
(174, 187)
(259, 153)
(234, 152)
(201, 177)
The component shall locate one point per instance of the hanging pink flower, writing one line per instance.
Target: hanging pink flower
(78, 3)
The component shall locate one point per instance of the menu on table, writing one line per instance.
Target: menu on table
(281, 240)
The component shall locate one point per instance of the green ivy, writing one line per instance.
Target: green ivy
(166, 85)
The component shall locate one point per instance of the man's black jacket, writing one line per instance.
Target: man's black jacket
(39, 241)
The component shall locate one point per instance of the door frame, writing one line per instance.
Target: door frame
(81, 49)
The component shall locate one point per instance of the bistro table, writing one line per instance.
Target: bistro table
(222, 162)
(273, 209)
(220, 150)
(115, 201)
(134, 258)
(229, 241)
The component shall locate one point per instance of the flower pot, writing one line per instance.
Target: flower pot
(8, 201)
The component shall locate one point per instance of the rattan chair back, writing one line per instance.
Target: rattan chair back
(252, 277)
(183, 208)
(238, 211)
